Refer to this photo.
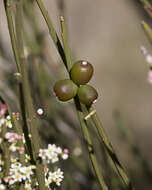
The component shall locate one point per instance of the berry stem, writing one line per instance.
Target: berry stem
(81, 115)
(65, 44)
(89, 144)
(109, 149)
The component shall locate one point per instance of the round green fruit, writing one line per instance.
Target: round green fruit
(65, 89)
(81, 72)
(87, 95)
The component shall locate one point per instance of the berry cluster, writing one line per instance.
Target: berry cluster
(80, 75)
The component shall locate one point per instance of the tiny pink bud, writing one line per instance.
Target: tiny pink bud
(66, 151)
(94, 101)
(149, 77)
(6, 179)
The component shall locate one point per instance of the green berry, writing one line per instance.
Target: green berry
(81, 72)
(65, 89)
(87, 95)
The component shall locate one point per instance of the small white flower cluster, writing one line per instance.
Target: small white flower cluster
(54, 177)
(19, 173)
(25, 174)
(13, 138)
(52, 153)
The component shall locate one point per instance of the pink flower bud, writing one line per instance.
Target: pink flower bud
(66, 151)
(149, 77)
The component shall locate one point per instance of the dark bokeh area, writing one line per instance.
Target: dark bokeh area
(108, 34)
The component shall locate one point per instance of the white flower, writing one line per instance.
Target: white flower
(16, 177)
(40, 111)
(51, 148)
(53, 157)
(7, 135)
(8, 117)
(59, 173)
(58, 150)
(64, 156)
(42, 153)
(13, 148)
(2, 187)
(2, 121)
(26, 172)
(58, 181)
(56, 177)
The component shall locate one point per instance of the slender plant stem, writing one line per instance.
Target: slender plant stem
(20, 141)
(146, 3)
(147, 29)
(29, 104)
(89, 145)
(52, 31)
(6, 152)
(65, 44)
(8, 8)
(110, 150)
(19, 45)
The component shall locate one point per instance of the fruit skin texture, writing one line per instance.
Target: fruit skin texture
(65, 89)
(81, 72)
(87, 94)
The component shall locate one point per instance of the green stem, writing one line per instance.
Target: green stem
(146, 3)
(29, 104)
(6, 152)
(65, 44)
(147, 30)
(20, 141)
(52, 31)
(89, 145)
(8, 8)
(19, 45)
(24, 123)
(110, 150)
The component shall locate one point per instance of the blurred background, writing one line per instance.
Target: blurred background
(108, 34)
